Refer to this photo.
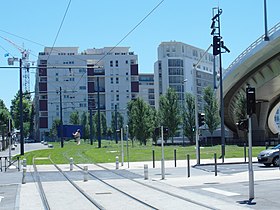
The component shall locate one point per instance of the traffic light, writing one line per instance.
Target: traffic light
(201, 119)
(216, 45)
(251, 100)
(242, 125)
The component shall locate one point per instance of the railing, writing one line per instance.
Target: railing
(251, 47)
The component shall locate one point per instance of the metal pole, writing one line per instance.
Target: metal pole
(183, 125)
(221, 93)
(162, 156)
(188, 165)
(116, 124)
(90, 126)
(196, 119)
(175, 158)
(266, 38)
(61, 119)
(122, 145)
(127, 151)
(10, 142)
(21, 109)
(215, 163)
(153, 158)
(250, 165)
(98, 115)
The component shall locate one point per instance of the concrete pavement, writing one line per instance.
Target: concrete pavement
(224, 191)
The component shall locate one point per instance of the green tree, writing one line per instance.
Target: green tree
(4, 119)
(169, 110)
(240, 109)
(189, 117)
(75, 118)
(211, 110)
(140, 119)
(120, 122)
(26, 110)
(85, 124)
(103, 124)
(53, 130)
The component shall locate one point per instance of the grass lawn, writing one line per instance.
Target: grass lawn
(86, 153)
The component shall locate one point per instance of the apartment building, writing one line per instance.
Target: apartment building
(175, 68)
(68, 80)
(146, 88)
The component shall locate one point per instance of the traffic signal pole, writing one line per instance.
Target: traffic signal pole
(250, 165)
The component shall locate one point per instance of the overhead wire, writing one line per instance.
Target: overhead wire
(60, 27)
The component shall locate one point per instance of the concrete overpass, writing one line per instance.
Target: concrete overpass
(259, 66)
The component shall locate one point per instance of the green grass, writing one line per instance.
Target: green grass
(86, 153)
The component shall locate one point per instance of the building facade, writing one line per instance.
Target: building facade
(67, 81)
(175, 69)
(147, 89)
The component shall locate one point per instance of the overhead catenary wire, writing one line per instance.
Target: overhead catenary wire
(60, 27)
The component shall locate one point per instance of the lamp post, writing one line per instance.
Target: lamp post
(61, 119)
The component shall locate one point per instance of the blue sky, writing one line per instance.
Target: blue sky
(95, 23)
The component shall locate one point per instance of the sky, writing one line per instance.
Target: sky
(34, 24)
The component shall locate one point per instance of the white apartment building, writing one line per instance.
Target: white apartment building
(175, 68)
(68, 80)
(146, 88)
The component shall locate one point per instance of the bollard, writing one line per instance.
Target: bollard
(18, 163)
(153, 158)
(145, 171)
(215, 160)
(1, 164)
(5, 163)
(245, 152)
(175, 158)
(117, 162)
(266, 145)
(85, 173)
(23, 175)
(188, 165)
(24, 163)
(71, 164)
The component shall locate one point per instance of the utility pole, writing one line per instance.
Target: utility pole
(61, 120)
(21, 109)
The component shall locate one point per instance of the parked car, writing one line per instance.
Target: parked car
(269, 156)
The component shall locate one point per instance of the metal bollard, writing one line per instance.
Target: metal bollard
(117, 162)
(153, 158)
(175, 158)
(24, 163)
(245, 152)
(85, 173)
(145, 171)
(215, 160)
(71, 163)
(188, 165)
(23, 175)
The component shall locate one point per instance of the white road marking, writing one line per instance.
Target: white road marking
(222, 192)
(1, 197)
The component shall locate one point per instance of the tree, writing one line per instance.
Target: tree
(103, 124)
(55, 125)
(120, 122)
(189, 117)
(170, 112)
(26, 110)
(211, 110)
(85, 124)
(240, 112)
(4, 119)
(140, 119)
(75, 118)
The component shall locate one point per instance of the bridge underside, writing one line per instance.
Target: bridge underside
(262, 71)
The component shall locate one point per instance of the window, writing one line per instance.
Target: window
(117, 97)
(117, 63)
(111, 63)
(117, 80)
(82, 87)
(112, 80)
